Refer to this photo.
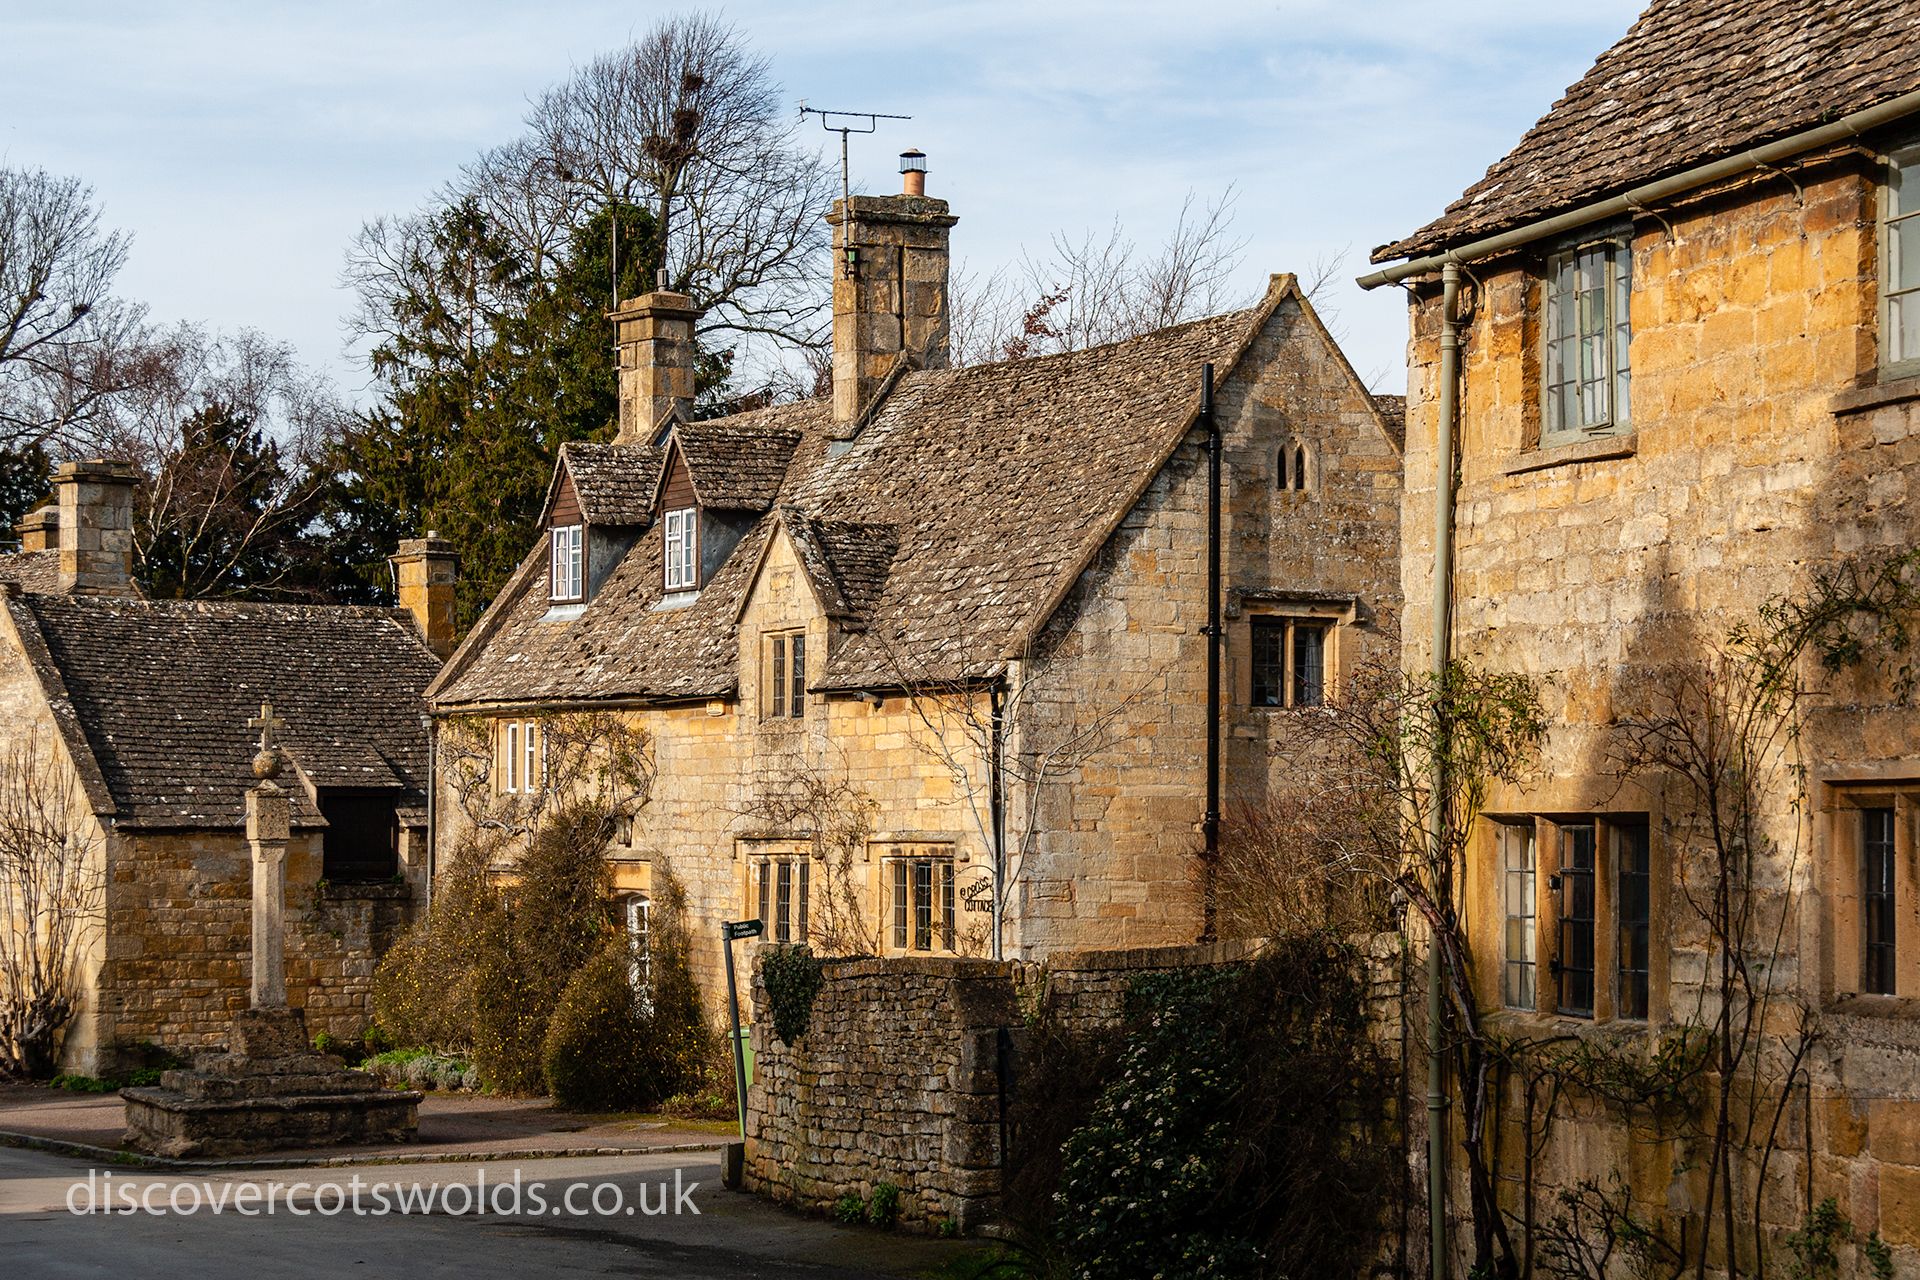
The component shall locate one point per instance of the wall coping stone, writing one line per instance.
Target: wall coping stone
(1227, 951)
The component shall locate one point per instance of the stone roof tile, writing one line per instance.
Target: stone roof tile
(162, 691)
(964, 507)
(1692, 81)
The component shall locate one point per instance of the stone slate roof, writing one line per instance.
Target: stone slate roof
(1393, 412)
(614, 484)
(156, 695)
(1691, 82)
(738, 463)
(939, 538)
(32, 570)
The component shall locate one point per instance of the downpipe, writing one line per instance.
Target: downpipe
(1443, 502)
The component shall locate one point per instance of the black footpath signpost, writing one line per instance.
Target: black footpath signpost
(730, 931)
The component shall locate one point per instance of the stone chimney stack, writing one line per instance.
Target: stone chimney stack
(39, 529)
(889, 288)
(425, 571)
(655, 354)
(96, 527)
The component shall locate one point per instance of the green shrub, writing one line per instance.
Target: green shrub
(883, 1206)
(423, 1069)
(606, 1049)
(792, 977)
(1240, 1130)
(423, 991)
(850, 1209)
(596, 1042)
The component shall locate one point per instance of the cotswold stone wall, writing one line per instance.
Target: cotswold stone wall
(908, 1068)
(177, 945)
(897, 1080)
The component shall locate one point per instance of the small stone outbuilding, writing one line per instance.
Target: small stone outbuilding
(134, 711)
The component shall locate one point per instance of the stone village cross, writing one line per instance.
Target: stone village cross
(267, 827)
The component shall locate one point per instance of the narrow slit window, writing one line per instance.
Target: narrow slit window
(1574, 964)
(1877, 901)
(1521, 961)
(1632, 859)
(534, 774)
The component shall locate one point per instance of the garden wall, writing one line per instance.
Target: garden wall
(898, 1079)
(907, 1069)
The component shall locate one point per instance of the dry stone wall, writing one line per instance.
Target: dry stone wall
(896, 1080)
(908, 1068)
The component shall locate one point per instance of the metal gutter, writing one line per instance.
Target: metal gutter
(1848, 126)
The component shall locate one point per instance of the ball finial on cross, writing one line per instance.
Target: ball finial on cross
(266, 761)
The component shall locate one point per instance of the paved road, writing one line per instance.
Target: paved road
(734, 1236)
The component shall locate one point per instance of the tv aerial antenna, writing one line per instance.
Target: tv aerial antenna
(849, 125)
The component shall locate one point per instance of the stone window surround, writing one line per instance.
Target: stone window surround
(1486, 920)
(871, 883)
(783, 675)
(1336, 614)
(517, 757)
(1619, 238)
(1843, 929)
(760, 860)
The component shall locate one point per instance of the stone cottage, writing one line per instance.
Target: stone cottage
(136, 711)
(921, 665)
(1686, 311)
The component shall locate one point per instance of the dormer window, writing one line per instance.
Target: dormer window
(683, 549)
(565, 579)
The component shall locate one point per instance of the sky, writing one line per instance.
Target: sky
(242, 144)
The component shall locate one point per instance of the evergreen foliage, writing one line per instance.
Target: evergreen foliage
(490, 363)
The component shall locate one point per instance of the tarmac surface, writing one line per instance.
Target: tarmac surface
(62, 1218)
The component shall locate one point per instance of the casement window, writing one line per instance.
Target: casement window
(1633, 906)
(1900, 264)
(1870, 878)
(1574, 888)
(1576, 923)
(566, 582)
(1878, 859)
(921, 903)
(784, 676)
(781, 887)
(683, 549)
(522, 769)
(1519, 879)
(637, 916)
(1585, 336)
(1290, 661)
